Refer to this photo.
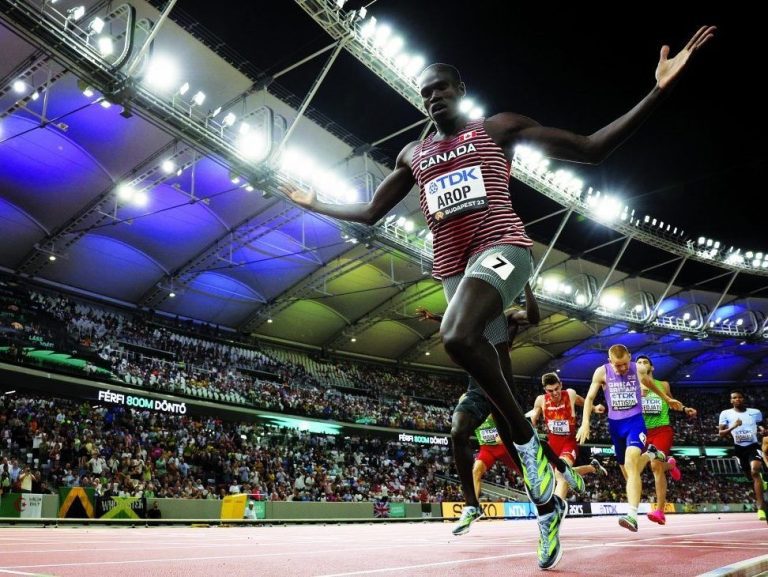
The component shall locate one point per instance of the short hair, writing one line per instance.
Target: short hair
(738, 392)
(618, 351)
(646, 357)
(550, 379)
(452, 71)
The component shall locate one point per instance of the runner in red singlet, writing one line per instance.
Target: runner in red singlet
(558, 407)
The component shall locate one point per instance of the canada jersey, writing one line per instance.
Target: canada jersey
(559, 417)
(464, 195)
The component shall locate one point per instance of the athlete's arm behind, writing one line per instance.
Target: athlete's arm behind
(647, 381)
(536, 412)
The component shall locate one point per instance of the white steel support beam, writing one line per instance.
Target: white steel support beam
(596, 298)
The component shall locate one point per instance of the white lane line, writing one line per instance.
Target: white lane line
(404, 569)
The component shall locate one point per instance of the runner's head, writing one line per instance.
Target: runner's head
(441, 91)
(738, 399)
(645, 362)
(552, 385)
(619, 357)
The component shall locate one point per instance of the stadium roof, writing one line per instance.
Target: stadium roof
(215, 232)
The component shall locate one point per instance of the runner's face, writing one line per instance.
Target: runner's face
(737, 400)
(620, 364)
(645, 363)
(439, 94)
(555, 391)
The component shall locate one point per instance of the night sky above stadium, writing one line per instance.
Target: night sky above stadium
(575, 67)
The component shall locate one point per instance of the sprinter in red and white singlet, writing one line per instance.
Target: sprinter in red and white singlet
(481, 250)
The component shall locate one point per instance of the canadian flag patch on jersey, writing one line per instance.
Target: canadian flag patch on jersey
(467, 135)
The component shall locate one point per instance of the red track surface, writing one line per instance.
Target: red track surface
(688, 545)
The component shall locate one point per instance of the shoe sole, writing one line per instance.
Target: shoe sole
(555, 562)
(627, 525)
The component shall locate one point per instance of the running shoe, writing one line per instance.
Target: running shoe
(538, 474)
(549, 550)
(574, 479)
(674, 470)
(761, 515)
(469, 515)
(628, 523)
(599, 469)
(657, 516)
(654, 454)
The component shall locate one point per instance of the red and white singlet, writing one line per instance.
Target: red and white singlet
(464, 183)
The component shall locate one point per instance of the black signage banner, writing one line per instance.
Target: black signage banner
(121, 507)
(578, 509)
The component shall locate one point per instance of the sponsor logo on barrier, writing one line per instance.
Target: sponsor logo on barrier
(606, 509)
(574, 509)
(452, 510)
(518, 510)
(579, 509)
(612, 508)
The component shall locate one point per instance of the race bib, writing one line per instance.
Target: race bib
(560, 427)
(489, 436)
(623, 400)
(456, 193)
(652, 405)
(741, 436)
(498, 264)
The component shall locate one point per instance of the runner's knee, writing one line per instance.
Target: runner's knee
(463, 426)
(460, 432)
(458, 341)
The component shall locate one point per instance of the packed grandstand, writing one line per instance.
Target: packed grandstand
(57, 437)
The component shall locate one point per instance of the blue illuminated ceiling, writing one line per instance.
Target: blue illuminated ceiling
(240, 258)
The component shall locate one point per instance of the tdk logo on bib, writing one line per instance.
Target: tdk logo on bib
(459, 177)
(456, 192)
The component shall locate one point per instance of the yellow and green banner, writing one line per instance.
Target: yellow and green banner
(76, 503)
(121, 507)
